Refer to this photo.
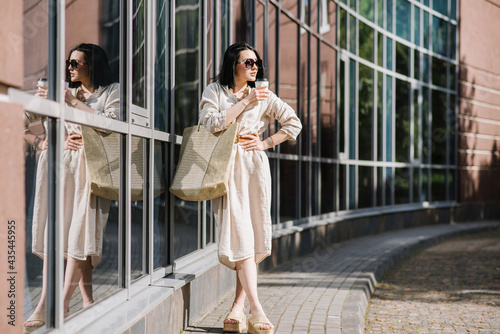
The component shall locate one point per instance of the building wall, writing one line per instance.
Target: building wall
(479, 102)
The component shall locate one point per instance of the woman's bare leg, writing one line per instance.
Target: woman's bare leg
(86, 283)
(247, 275)
(40, 308)
(239, 299)
(75, 270)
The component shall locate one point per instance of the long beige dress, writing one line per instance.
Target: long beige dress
(243, 215)
(85, 215)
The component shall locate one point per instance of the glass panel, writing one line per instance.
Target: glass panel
(439, 36)
(426, 67)
(187, 71)
(288, 190)
(352, 187)
(365, 113)
(313, 96)
(403, 59)
(139, 53)
(342, 106)
(306, 190)
(438, 185)
(342, 187)
(259, 27)
(380, 13)
(138, 214)
(388, 186)
(160, 207)
(426, 2)
(36, 186)
(416, 25)
(352, 110)
(353, 4)
(209, 224)
(98, 57)
(366, 9)
(380, 49)
(388, 118)
(416, 64)
(426, 30)
(388, 54)
(452, 41)
(439, 132)
(289, 85)
(416, 123)
(305, 117)
(186, 235)
(425, 185)
(389, 14)
(451, 184)
(328, 93)
(292, 6)
(402, 121)
(271, 50)
(162, 95)
(402, 186)
(403, 19)
(453, 9)
(416, 184)
(352, 35)
(425, 125)
(328, 20)
(343, 29)
(366, 42)
(452, 124)
(327, 186)
(365, 187)
(380, 186)
(380, 116)
(440, 6)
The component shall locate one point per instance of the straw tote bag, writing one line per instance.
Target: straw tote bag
(102, 152)
(204, 163)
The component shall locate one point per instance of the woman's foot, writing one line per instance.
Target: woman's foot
(236, 320)
(34, 322)
(259, 324)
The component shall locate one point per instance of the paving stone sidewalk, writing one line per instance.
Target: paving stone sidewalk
(452, 287)
(328, 291)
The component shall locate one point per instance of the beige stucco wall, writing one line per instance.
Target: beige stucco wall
(479, 101)
(11, 40)
(13, 221)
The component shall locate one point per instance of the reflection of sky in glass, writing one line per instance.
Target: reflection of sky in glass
(403, 11)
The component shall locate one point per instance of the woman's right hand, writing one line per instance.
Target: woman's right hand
(43, 91)
(257, 94)
(73, 142)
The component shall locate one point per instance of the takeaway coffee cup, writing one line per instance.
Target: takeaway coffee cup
(262, 82)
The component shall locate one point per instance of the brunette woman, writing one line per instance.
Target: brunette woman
(243, 215)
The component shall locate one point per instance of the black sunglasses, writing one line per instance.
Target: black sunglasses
(250, 62)
(73, 63)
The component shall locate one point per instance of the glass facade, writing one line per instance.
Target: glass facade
(397, 70)
(373, 82)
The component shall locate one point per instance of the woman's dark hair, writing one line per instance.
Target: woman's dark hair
(97, 61)
(226, 74)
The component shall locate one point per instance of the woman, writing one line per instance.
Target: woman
(243, 214)
(85, 215)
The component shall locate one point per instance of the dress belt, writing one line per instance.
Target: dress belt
(240, 139)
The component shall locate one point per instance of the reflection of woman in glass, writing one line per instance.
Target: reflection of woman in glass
(85, 215)
(243, 214)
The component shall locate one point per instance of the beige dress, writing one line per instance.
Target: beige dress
(85, 215)
(243, 215)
